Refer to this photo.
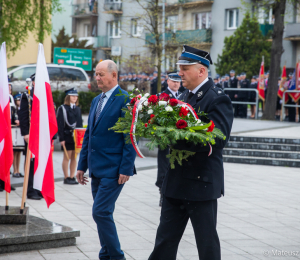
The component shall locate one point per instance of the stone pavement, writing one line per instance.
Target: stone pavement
(259, 213)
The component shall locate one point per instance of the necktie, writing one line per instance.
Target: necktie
(190, 97)
(176, 94)
(99, 108)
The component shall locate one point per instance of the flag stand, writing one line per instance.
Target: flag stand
(26, 177)
(7, 206)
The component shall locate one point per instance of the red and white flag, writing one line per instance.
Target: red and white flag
(6, 149)
(43, 128)
(261, 82)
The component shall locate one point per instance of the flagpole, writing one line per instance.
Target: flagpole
(27, 163)
(7, 206)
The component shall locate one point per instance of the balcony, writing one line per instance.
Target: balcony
(84, 10)
(292, 32)
(188, 3)
(113, 7)
(266, 28)
(104, 42)
(191, 37)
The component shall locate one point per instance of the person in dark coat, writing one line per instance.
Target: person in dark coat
(252, 95)
(153, 84)
(27, 99)
(172, 90)
(233, 83)
(216, 82)
(190, 191)
(243, 96)
(68, 118)
(291, 110)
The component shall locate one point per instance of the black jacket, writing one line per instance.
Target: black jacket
(154, 86)
(233, 83)
(65, 133)
(243, 95)
(202, 177)
(252, 94)
(24, 113)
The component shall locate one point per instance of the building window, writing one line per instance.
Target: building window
(114, 29)
(136, 29)
(172, 23)
(265, 15)
(87, 30)
(232, 18)
(202, 20)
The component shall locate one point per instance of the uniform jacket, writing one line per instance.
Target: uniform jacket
(243, 95)
(202, 176)
(252, 94)
(167, 91)
(24, 113)
(233, 83)
(65, 133)
(154, 86)
(105, 152)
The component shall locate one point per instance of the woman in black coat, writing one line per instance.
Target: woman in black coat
(68, 118)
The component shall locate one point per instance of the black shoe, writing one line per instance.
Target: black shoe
(12, 188)
(70, 181)
(1, 189)
(34, 197)
(74, 180)
(17, 175)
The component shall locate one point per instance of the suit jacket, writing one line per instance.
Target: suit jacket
(24, 113)
(105, 152)
(202, 176)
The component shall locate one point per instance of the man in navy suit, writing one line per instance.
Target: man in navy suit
(109, 159)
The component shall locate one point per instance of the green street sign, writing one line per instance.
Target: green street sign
(73, 57)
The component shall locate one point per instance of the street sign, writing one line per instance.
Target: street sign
(74, 57)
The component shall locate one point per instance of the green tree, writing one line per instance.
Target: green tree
(19, 17)
(243, 50)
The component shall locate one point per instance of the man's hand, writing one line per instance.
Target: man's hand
(123, 179)
(80, 178)
(26, 138)
(17, 122)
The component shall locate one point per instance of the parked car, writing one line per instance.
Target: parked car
(62, 77)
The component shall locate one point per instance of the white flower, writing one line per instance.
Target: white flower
(147, 95)
(128, 104)
(150, 111)
(162, 103)
(140, 108)
(145, 103)
(198, 122)
(169, 109)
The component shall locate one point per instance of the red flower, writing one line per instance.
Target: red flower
(173, 102)
(149, 122)
(152, 99)
(152, 115)
(183, 111)
(164, 97)
(212, 126)
(146, 125)
(181, 124)
(132, 102)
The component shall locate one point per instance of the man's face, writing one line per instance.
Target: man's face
(215, 81)
(104, 78)
(253, 80)
(173, 85)
(190, 75)
(232, 74)
(243, 77)
(226, 78)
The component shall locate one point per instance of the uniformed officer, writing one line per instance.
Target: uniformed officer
(291, 110)
(243, 96)
(172, 90)
(190, 191)
(233, 94)
(216, 82)
(252, 95)
(24, 127)
(154, 84)
(68, 118)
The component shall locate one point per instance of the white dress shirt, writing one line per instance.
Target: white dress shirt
(199, 86)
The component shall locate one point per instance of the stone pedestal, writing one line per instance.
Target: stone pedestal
(13, 216)
(35, 235)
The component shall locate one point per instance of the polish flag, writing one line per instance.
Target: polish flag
(6, 149)
(261, 82)
(42, 129)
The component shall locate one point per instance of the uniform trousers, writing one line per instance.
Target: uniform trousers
(175, 214)
(105, 193)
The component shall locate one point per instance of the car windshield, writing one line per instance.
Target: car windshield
(23, 73)
(11, 68)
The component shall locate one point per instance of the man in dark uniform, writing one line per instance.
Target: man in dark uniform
(252, 95)
(153, 85)
(291, 110)
(216, 82)
(24, 127)
(190, 191)
(243, 96)
(162, 161)
(233, 82)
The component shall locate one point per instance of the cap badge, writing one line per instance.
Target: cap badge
(170, 95)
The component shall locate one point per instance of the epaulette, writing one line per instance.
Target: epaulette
(217, 90)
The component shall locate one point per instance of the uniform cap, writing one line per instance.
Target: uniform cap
(232, 71)
(18, 96)
(191, 56)
(71, 92)
(174, 77)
